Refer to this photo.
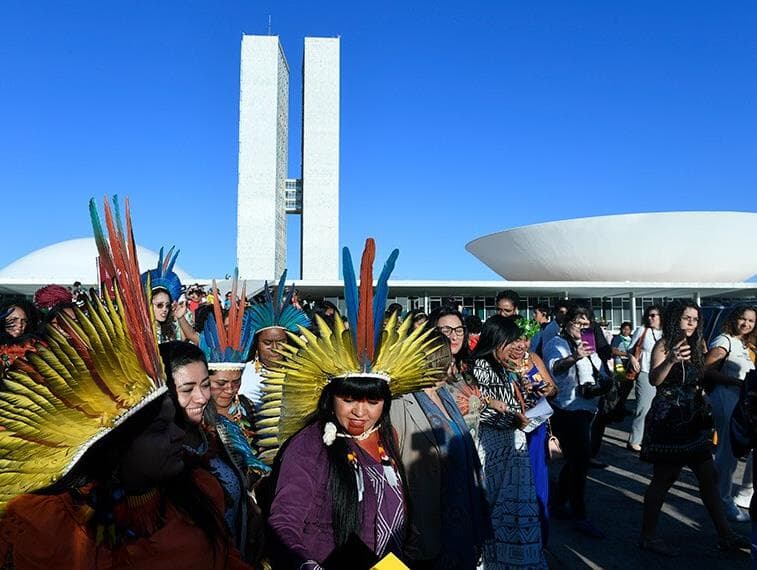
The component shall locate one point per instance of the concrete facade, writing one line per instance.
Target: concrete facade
(263, 158)
(320, 159)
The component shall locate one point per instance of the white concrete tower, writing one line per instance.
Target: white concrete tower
(320, 160)
(263, 154)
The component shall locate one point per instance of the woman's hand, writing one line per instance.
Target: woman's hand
(521, 420)
(681, 352)
(498, 406)
(583, 350)
(635, 364)
(179, 309)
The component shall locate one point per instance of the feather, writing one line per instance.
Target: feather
(280, 295)
(381, 294)
(365, 344)
(350, 291)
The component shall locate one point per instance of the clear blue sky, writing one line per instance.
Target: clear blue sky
(458, 118)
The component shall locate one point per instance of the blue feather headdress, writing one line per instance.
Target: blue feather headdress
(163, 277)
(278, 312)
(227, 345)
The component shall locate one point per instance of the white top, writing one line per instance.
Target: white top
(252, 384)
(652, 336)
(737, 362)
(567, 382)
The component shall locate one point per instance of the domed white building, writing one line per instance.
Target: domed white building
(668, 247)
(64, 263)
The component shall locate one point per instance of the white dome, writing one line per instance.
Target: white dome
(72, 260)
(698, 247)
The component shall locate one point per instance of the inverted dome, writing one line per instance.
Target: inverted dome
(700, 247)
(72, 260)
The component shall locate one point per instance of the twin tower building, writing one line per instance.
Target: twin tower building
(266, 194)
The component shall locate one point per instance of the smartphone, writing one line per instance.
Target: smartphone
(587, 336)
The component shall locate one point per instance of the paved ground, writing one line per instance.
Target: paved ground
(614, 503)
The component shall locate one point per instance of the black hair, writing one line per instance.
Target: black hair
(560, 304)
(731, 327)
(672, 334)
(33, 320)
(542, 308)
(510, 295)
(648, 310)
(496, 332)
(168, 327)
(463, 354)
(576, 310)
(393, 308)
(342, 486)
(473, 324)
(175, 354)
(626, 324)
(100, 464)
(201, 315)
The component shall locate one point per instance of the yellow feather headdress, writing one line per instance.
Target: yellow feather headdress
(371, 348)
(59, 401)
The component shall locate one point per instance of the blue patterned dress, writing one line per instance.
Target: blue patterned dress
(509, 479)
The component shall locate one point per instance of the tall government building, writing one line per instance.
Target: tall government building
(265, 193)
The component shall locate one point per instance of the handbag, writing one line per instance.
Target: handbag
(554, 451)
(631, 374)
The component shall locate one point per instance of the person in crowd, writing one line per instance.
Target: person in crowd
(226, 340)
(678, 429)
(99, 480)
(645, 338)
(449, 517)
(53, 300)
(327, 310)
(419, 319)
(728, 362)
(743, 436)
(394, 309)
(448, 320)
(19, 332)
(473, 325)
(552, 329)
(188, 383)
(195, 294)
(541, 314)
(621, 348)
(509, 478)
(271, 319)
(339, 482)
(507, 302)
(171, 318)
(577, 371)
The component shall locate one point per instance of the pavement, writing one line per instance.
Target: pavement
(614, 499)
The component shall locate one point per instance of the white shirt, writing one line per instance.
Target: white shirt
(737, 362)
(652, 336)
(567, 382)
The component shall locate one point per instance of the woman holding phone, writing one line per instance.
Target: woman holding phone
(576, 370)
(678, 428)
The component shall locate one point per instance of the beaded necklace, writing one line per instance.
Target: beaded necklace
(387, 463)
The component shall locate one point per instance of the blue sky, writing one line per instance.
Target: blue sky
(458, 118)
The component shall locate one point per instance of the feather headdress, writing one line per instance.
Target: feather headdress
(371, 348)
(226, 345)
(277, 312)
(59, 401)
(163, 276)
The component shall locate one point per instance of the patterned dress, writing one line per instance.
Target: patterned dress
(509, 479)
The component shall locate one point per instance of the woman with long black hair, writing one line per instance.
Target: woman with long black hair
(509, 479)
(449, 321)
(678, 430)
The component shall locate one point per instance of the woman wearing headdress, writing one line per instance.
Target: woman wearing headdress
(173, 321)
(270, 320)
(53, 300)
(93, 475)
(339, 486)
(449, 516)
(678, 427)
(498, 367)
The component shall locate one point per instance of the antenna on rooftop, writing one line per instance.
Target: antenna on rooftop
(269, 24)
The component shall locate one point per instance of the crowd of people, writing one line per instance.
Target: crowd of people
(152, 425)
